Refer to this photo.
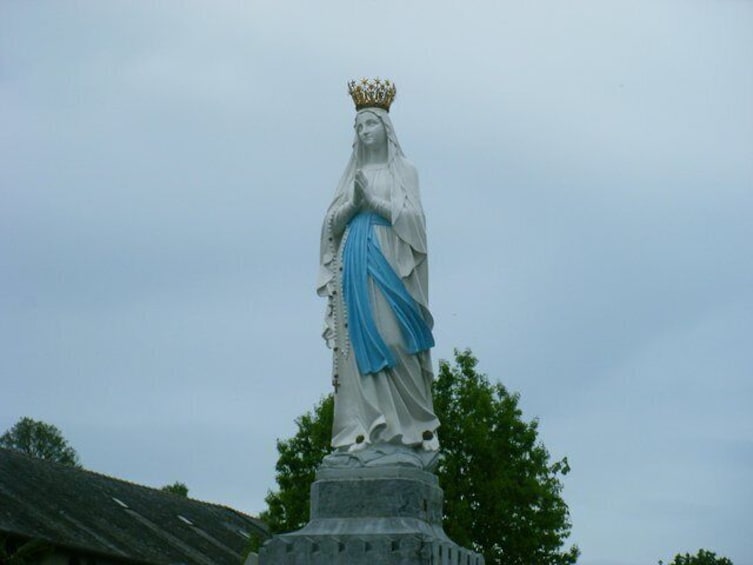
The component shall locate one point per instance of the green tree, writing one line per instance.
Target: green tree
(176, 488)
(503, 496)
(40, 440)
(703, 557)
(288, 507)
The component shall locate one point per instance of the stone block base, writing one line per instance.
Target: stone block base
(368, 516)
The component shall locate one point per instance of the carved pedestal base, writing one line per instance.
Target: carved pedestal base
(368, 516)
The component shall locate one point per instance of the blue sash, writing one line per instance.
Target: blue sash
(363, 258)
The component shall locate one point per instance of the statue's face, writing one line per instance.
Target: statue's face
(370, 130)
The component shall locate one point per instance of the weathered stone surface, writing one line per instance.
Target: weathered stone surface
(376, 495)
(367, 516)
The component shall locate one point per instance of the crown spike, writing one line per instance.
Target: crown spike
(375, 93)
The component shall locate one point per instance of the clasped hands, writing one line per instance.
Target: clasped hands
(361, 195)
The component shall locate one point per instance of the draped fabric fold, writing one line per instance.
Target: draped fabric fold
(363, 259)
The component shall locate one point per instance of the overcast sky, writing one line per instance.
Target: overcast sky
(587, 174)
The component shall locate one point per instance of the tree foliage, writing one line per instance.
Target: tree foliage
(177, 488)
(703, 557)
(40, 440)
(288, 507)
(502, 493)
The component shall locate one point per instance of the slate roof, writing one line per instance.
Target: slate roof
(89, 512)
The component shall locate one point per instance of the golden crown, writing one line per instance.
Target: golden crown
(372, 93)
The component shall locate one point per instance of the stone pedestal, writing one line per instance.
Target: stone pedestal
(369, 516)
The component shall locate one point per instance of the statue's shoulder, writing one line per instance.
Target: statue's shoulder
(408, 165)
(410, 171)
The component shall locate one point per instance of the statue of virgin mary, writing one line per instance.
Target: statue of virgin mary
(373, 271)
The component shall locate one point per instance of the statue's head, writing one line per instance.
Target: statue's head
(375, 134)
(373, 127)
(370, 129)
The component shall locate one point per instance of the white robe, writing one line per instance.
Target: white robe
(394, 405)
